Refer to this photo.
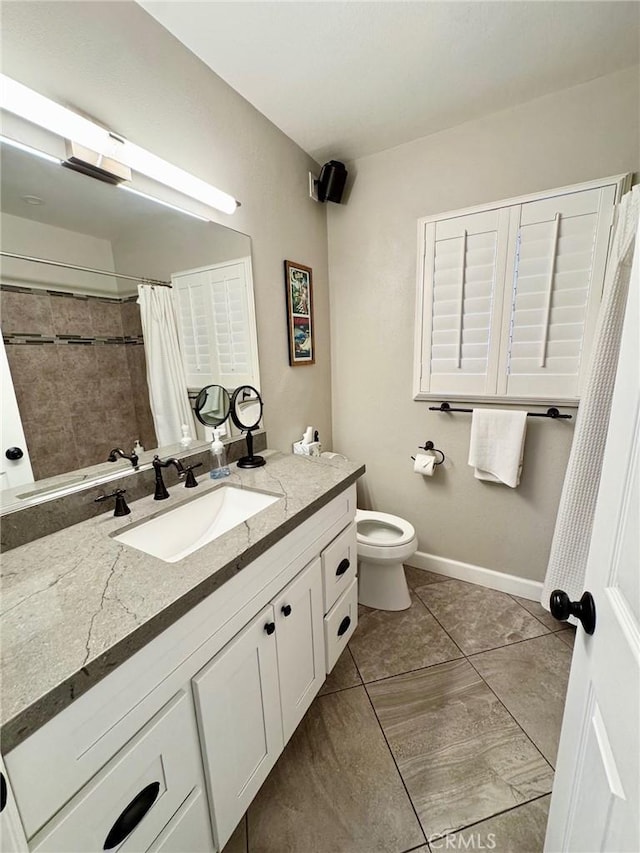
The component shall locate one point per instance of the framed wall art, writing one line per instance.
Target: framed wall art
(299, 284)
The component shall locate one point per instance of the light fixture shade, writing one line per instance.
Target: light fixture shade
(24, 102)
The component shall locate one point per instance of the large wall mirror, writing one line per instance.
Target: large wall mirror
(73, 339)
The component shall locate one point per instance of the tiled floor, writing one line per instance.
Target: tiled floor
(437, 730)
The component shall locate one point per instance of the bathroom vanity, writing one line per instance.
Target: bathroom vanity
(145, 701)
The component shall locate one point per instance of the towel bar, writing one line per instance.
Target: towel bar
(552, 413)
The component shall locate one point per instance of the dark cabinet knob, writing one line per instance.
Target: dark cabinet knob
(285, 609)
(342, 568)
(344, 625)
(3, 792)
(132, 815)
(270, 627)
(14, 453)
(585, 610)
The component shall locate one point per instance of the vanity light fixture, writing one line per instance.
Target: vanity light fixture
(163, 203)
(24, 102)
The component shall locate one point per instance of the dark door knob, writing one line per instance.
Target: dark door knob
(270, 627)
(286, 609)
(584, 610)
(14, 453)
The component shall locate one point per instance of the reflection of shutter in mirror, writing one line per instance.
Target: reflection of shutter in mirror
(215, 326)
(230, 313)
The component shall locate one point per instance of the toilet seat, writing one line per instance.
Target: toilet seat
(382, 530)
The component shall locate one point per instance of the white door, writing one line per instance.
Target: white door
(12, 838)
(13, 472)
(300, 643)
(596, 795)
(238, 709)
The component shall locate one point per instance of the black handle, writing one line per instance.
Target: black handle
(285, 609)
(344, 625)
(132, 815)
(585, 610)
(343, 567)
(14, 453)
(270, 627)
(3, 792)
(121, 505)
(191, 482)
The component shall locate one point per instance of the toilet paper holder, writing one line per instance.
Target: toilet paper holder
(428, 445)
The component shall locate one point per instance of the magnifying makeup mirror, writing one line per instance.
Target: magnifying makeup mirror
(212, 405)
(246, 413)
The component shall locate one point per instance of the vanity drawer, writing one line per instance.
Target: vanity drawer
(189, 829)
(340, 623)
(136, 794)
(339, 565)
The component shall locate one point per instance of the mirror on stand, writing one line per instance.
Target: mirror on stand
(246, 413)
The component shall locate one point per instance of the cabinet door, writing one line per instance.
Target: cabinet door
(238, 708)
(300, 644)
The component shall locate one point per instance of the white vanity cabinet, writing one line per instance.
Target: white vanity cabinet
(182, 734)
(253, 694)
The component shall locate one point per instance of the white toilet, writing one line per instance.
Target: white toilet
(384, 542)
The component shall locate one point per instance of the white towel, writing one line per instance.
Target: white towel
(497, 445)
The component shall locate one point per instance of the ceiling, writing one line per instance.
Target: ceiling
(347, 79)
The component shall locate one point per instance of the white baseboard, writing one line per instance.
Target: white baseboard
(501, 581)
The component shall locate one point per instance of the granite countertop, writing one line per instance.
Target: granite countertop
(75, 604)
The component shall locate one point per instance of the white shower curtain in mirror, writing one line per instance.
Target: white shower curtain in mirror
(571, 538)
(165, 371)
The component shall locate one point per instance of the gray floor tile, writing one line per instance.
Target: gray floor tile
(389, 642)
(344, 674)
(542, 615)
(521, 830)
(420, 577)
(530, 679)
(478, 618)
(335, 789)
(238, 841)
(461, 755)
(568, 636)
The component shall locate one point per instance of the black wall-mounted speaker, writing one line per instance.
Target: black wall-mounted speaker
(333, 176)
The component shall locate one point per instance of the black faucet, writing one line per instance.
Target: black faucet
(121, 504)
(161, 492)
(113, 456)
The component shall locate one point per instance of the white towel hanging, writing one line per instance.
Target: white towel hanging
(496, 447)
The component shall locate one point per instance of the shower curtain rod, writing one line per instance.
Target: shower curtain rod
(137, 278)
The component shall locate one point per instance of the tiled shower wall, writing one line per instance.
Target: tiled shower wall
(79, 373)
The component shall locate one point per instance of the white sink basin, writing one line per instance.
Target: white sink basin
(174, 534)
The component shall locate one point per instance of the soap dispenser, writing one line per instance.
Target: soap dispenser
(219, 467)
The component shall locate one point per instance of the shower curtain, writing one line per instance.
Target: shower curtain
(165, 371)
(572, 535)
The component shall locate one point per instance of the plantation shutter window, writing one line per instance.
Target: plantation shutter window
(464, 257)
(215, 324)
(508, 295)
(559, 270)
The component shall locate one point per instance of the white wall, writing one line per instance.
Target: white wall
(27, 237)
(115, 63)
(583, 133)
